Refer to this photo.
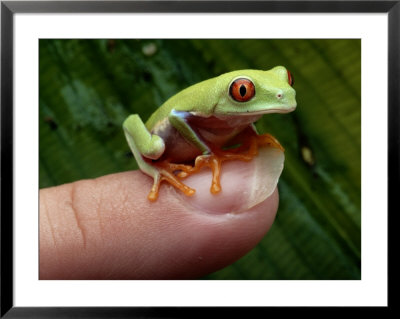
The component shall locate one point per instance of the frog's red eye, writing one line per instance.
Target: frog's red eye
(242, 90)
(290, 78)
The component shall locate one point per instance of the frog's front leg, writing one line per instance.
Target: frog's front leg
(143, 145)
(212, 157)
(179, 120)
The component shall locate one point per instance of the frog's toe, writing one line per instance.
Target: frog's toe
(171, 178)
(153, 195)
(183, 174)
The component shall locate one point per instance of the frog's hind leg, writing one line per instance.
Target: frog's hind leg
(250, 142)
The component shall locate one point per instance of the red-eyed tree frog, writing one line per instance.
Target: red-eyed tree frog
(208, 123)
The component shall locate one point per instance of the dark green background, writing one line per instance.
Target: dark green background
(88, 87)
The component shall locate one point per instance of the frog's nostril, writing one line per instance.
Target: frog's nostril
(279, 94)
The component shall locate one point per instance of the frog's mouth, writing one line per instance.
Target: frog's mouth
(262, 112)
(255, 113)
(258, 113)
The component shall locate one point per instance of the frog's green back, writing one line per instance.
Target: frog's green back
(200, 98)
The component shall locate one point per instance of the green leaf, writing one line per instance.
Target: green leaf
(88, 87)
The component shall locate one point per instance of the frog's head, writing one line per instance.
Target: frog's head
(256, 92)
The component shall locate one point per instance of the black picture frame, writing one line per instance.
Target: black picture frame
(9, 8)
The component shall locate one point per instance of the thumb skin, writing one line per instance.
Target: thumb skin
(106, 228)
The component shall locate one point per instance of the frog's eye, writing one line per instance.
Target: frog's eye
(290, 78)
(242, 90)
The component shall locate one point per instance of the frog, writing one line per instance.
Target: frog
(208, 123)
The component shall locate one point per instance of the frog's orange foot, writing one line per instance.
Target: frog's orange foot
(213, 161)
(245, 152)
(166, 173)
(171, 172)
